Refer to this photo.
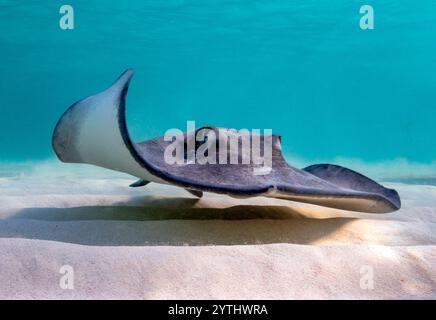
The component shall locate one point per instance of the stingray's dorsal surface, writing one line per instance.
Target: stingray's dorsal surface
(94, 131)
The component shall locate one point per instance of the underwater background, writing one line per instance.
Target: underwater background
(303, 68)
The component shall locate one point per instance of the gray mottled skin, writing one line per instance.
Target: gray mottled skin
(322, 180)
(322, 184)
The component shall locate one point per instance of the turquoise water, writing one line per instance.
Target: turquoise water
(303, 68)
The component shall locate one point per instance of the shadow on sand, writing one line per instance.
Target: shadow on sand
(169, 221)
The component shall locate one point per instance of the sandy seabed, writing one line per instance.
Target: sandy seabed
(159, 242)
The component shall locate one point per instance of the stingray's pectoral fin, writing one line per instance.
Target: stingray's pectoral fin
(94, 131)
(139, 183)
(388, 199)
(196, 193)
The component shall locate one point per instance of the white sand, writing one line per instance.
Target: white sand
(160, 242)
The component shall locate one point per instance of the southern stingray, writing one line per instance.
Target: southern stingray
(94, 131)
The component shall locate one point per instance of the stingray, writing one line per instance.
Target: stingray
(94, 131)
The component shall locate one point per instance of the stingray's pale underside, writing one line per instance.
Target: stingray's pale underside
(94, 131)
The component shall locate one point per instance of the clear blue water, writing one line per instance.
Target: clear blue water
(302, 68)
